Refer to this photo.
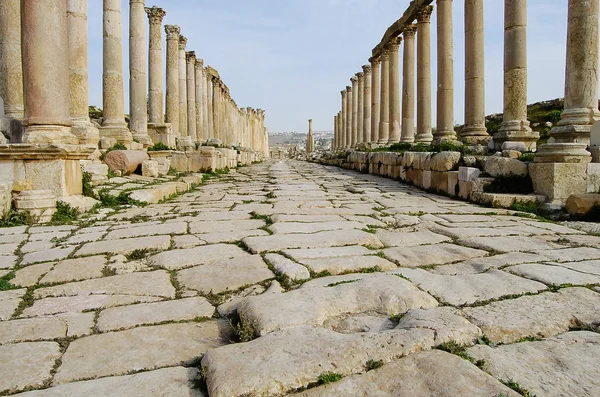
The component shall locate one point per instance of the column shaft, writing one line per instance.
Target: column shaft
(408, 85)
(183, 121)
(354, 136)
(361, 107)
(191, 94)
(138, 108)
(367, 105)
(384, 116)
(424, 75)
(11, 69)
(209, 106)
(155, 67)
(348, 117)
(343, 132)
(394, 89)
(375, 96)
(445, 72)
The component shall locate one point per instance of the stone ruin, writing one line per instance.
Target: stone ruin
(47, 134)
(377, 111)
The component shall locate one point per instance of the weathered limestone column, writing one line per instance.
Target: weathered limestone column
(200, 81)
(367, 104)
(354, 138)
(335, 132)
(375, 95)
(155, 67)
(445, 72)
(344, 130)
(78, 73)
(205, 90)
(183, 95)
(209, 105)
(348, 117)
(474, 131)
(216, 108)
(191, 94)
(138, 109)
(394, 89)
(172, 113)
(11, 69)
(361, 107)
(309, 140)
(424, 75)
(384, 106)
(45, 44)
(408, 85)
(113, 96)
(515, 127)
(340, 129)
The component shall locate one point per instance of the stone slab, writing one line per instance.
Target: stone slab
(447, 323)
(554, 274)
(75, 270)
(231, 237)
(480, 265)
(26, 365)
(287, 267)
(79, 303)
(431, 255)
(225, 226)
(141, 231)
(331, 252)
(304, 227)
(31, 330)
(510, 244)
(125, 246)
(348, 264)
(182, 258)
(30, 275)
(9, 300)
(409, 239)
(54, 254)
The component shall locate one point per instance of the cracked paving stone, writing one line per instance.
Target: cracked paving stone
(27, 364)
(182, 258)
(554, 274)
(409, 239)
(32, 329)
(125, 246)
(151, 230)
(9, 300)
(438, 254)
(347, 264)
(75, 270)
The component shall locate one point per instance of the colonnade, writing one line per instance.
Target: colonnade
(391, 116)
(48, 94)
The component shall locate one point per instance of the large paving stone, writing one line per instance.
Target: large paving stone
(330, 252)
(125, 246)
(143, 348)
(315, 240)
(47, 255)
(153, 313)
(231, 237)
(303, 227)
(546, 314)
(182, 258)
(510, 243)
(572, 254)
(287, 267)
(75, 269)
(30, 275)
(34, 329)
(151, 230)
(431, 255)
(172, 382)
(9, 300)
(566, 365)
(317, 301)
(480, 265)
(409, 239)
(429, 373)
(79, 303)
(7, 261)
(225, 226)
(289, 359)
(225, 275)
(347, 264)
(554, 274)
(471, 288)
(590, 267)
(447, 322)
(306, 218)
(155, 283)
(27, 364)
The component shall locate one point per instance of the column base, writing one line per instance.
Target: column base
(384, 132)
(557, 181)
(86, 131)
(49, 134)
(563, 153)
(441, 135)
(395, 133)
(425, 137)
(516, 131)
(474, 135)
(120, 132)
(143, 138)
(571, 133)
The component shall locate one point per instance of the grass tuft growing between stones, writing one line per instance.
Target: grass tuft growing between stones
(328, 377)
(342, 282)
(5, 284)
(460, 350)
(138, 254)
(15, 218)
(395, 318)
(64, 214)
(266, 218)
(372, 364)
(516, 387)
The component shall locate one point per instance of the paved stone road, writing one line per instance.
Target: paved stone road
(371, 275)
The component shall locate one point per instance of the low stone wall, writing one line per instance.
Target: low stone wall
(209, 159)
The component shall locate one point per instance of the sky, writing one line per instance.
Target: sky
(293, 57)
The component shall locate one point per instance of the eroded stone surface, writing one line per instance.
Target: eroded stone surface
(348, 264)
(178, 259)
(27, 364)
(431, 255)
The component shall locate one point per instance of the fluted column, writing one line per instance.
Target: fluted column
(384, 106)
(45, 44)
(183, 116)
(474, 131)
(138, 109)
(344, 130)
(190, 57)
(572, 133)
(155, 67)
(366, 129)
(113, 96)
(445, 72)
(375, 96)
(172, 103)
(424, 75)
(11, 69)
(408, 85)
(394, 89)
(354, 141)
(78, 73)
(348, 117)
(361, 106)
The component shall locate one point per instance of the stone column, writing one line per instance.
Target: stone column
(138, 109)
(200, 99)
(515, 126)
(309, 138)
(367, 105)
(354, 139)
(341, 131)
(348, 117)
(474, 131)
(205, 83)
(183, 95)
(209, 106)
(384, 106)
(394, 89)
(172, 115)
(361, 107)
(191, 94)
(113, 96)
(445, 72)
(45, 44)
(572, 133)
(375, 95)
(424, 75)
(78, 72)
(155, 67)
(344, 130)
(216, 104)
(408, 85)
(11, 69)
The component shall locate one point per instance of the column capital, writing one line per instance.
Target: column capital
(366, 69)
(172, 32)
(343, 91)
(155, 15)
(385, 55)
(190, 57)
(410, 31)
(182, 42)
(348, 89)
(375, 61)
(360, 75)
(394, 44)
(424, 14)
(199, 63)
(354, 79)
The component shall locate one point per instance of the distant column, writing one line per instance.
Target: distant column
(191, 93)
(183, 121)
(424, 75)
(354, 134)
(445, 72)
(173, 77)
(348, 117)
(384, 116)
(361, 107)
(375, 96)
(138, 108)
(344, 130)
(340, 129)
(155, 67)
(474, 131)
(209, 106)
(367, 105)
(394, 88)
(408, 85)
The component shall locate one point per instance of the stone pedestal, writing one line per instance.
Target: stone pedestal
(557, 181)
(39, 205)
